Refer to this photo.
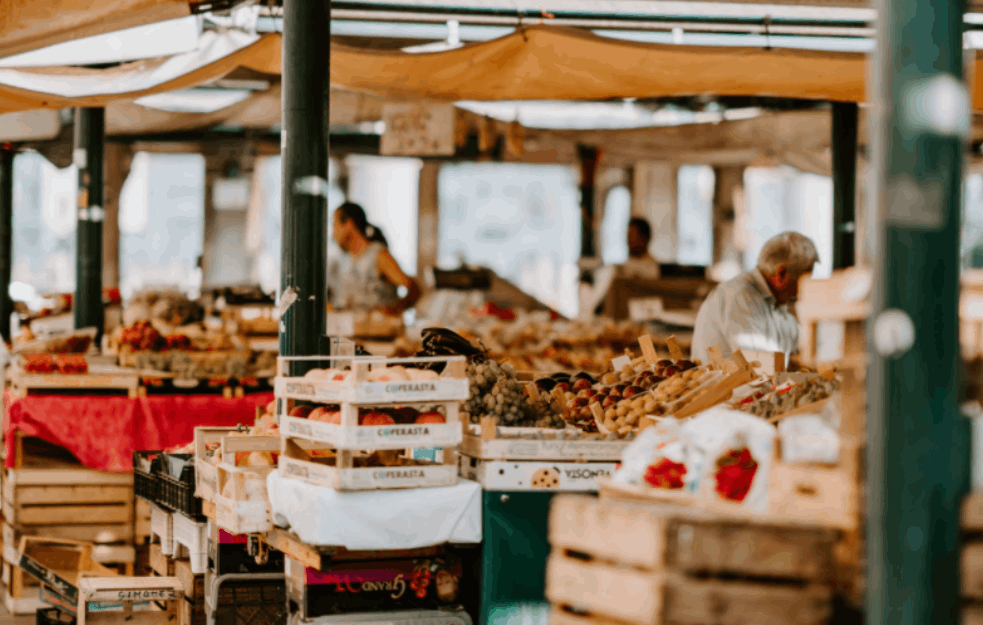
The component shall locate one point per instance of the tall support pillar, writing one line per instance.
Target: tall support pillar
(727, 184)
(304, 146)
(120, 158)
(588, 175)
(845, 118)
(429, 222)
(90, 137)
(918, 443)
(6, 238)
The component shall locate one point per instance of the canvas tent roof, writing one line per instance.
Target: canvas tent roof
(536, 63)
(31, 24)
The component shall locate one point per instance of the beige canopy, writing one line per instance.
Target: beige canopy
(536, 63)
(31, 24)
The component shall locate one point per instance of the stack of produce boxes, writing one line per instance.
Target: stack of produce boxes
(353, 427)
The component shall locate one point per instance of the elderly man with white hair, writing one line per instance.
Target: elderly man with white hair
(751, 311)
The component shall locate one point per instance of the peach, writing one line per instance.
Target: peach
(375, 418)
(430, 417)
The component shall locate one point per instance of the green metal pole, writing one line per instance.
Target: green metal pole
(844, 143)
(88, 158)
(304, 149)
(6, 238)
(918, 443)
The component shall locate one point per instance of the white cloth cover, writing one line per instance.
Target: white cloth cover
(377, 519)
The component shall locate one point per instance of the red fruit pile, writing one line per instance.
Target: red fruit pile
(69, 363)
(39, 363)
(142, 336)
(735, 472)
(666, 474)
(178, 341)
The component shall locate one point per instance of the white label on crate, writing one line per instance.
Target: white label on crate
(568, 476)
(156, 594)
(376, 436)
(413, 391)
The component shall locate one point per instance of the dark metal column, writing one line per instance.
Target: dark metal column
(88, 158)
(844, 142)
(918, 443)
(304, 145)
(6, 237)
(588, 172)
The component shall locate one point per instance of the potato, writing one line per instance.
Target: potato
(610, 425)
(633, 418)
(622, 410)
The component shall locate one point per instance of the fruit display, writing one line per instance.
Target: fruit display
(142, 336)
(496, 392)
(617, 403)
(374, 416)
(61, 363)
(772, 399)
(533, 344)
(385, 374)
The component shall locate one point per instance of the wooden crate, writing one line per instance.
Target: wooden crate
(106, 551)
(666, 564)
(488, 442)
(128, 591)
(100, 380)
(239, 510)
(48, 497)
(161, 565)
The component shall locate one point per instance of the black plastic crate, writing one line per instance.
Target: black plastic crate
(228, 554)
(176, 484)
(146, 469)
(251, 603)
(54, 616)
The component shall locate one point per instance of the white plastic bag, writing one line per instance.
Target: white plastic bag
(714, 433)
(659, 441)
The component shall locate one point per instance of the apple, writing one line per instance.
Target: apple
(563, 386)
(590, 393)
(301, 412)
(375, 418)
(685, 364)
(430, 417)
(577, 402)
(631, 391)
(610, 401)
(671, 371)
(662, 364)
(621, 389)
(581, 385)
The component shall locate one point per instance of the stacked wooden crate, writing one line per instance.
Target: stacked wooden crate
(614, 562)
(65, 502)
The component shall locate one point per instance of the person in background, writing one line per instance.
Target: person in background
(752, 311)
(369, 276)
(640, 262)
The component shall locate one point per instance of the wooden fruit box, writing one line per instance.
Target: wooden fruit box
(652, 564)
(112, 554)
(797, 494)
(338, 471)
(971, 559)
(533, 475)
(113, 600)
(46, 497)
(60, 564)
(349, 435)
(99, 380)
(490, 442)
(451, 385)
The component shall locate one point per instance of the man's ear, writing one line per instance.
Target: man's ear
(782, 276)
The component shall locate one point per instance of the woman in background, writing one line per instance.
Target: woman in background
(369, 276)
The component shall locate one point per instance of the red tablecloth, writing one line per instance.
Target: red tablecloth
(103, 432)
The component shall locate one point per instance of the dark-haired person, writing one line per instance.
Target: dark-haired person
(640, 264)
(369, 276)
